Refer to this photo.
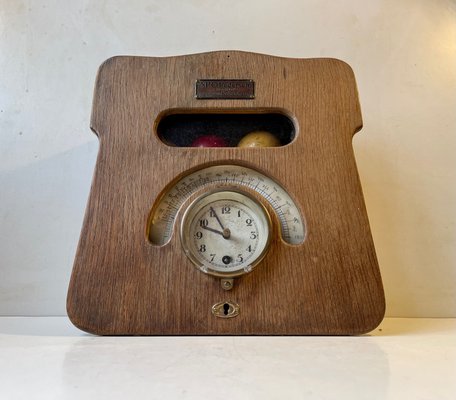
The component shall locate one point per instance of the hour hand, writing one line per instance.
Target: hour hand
(225, 233)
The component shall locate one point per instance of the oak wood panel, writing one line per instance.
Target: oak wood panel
(123, 285)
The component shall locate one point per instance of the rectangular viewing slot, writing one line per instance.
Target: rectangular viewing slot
(226, 129)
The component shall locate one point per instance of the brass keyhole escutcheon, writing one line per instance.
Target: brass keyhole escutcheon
(225, 309)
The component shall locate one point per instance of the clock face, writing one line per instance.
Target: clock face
(225, 233)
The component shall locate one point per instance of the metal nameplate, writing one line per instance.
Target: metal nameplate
(225, 89)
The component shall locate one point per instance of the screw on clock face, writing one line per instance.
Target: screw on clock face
(226, 259)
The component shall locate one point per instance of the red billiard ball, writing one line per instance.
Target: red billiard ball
(209, 141)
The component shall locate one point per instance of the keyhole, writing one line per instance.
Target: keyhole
(225, 310)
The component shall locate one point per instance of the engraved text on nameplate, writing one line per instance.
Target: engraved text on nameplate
(225, 89)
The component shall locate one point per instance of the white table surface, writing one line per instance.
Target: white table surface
(47, 358)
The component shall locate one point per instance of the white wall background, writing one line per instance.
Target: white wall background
(404, 57)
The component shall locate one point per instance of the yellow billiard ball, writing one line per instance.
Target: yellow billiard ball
(259, 139)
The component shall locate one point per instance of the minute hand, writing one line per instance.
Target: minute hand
(217, 218)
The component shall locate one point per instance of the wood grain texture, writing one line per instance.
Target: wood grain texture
(123, 285)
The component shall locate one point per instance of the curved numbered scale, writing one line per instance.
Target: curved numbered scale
(164, 211)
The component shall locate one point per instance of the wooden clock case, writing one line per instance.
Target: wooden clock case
(123, 285)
